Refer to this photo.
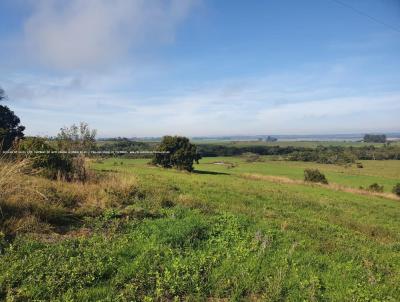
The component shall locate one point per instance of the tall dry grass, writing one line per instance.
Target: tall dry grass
(31, 203)
(17, 194)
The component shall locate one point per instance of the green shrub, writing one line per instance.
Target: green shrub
(314, 175)
(55, 165)
(51, 165)
(180, 153)
(396, 189)
(375, 188)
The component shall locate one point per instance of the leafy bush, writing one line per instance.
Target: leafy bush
(314, 175)
(180, 153)
(51, 165)
(55, 165)
(396, 189)
(375, 188)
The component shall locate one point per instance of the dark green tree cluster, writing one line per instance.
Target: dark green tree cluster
(180, 153)
(320, 154)
(10, 128)
(325, 155)
(374, 138)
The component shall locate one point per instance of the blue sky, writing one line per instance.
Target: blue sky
(198, 67)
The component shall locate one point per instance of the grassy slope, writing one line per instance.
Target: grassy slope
(386, 173)
(226, 237)
(318, 211)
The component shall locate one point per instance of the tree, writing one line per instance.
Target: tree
(77, 138)
(181, 153)
(10, 128)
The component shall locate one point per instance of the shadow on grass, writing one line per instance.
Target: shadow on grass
(209, 172)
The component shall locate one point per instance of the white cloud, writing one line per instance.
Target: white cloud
(86, 34)
(276, 104)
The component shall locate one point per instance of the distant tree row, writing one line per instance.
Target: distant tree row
(320, 154)
(374, 138)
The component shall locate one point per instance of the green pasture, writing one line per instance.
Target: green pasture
(214, 235)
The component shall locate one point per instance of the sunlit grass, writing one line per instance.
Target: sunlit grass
(162, 234)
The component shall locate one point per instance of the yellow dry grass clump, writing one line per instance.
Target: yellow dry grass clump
(31, 203)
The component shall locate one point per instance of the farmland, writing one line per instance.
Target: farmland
(198, 150)
(231, 230)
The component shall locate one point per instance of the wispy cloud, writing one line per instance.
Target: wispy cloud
(87, 34)
(274, 103)
(83, 60)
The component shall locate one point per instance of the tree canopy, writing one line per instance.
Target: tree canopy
(181, 153)
(10, 128)
(77, 138)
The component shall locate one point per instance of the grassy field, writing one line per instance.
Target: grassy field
(219, 235)
(386, 173)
